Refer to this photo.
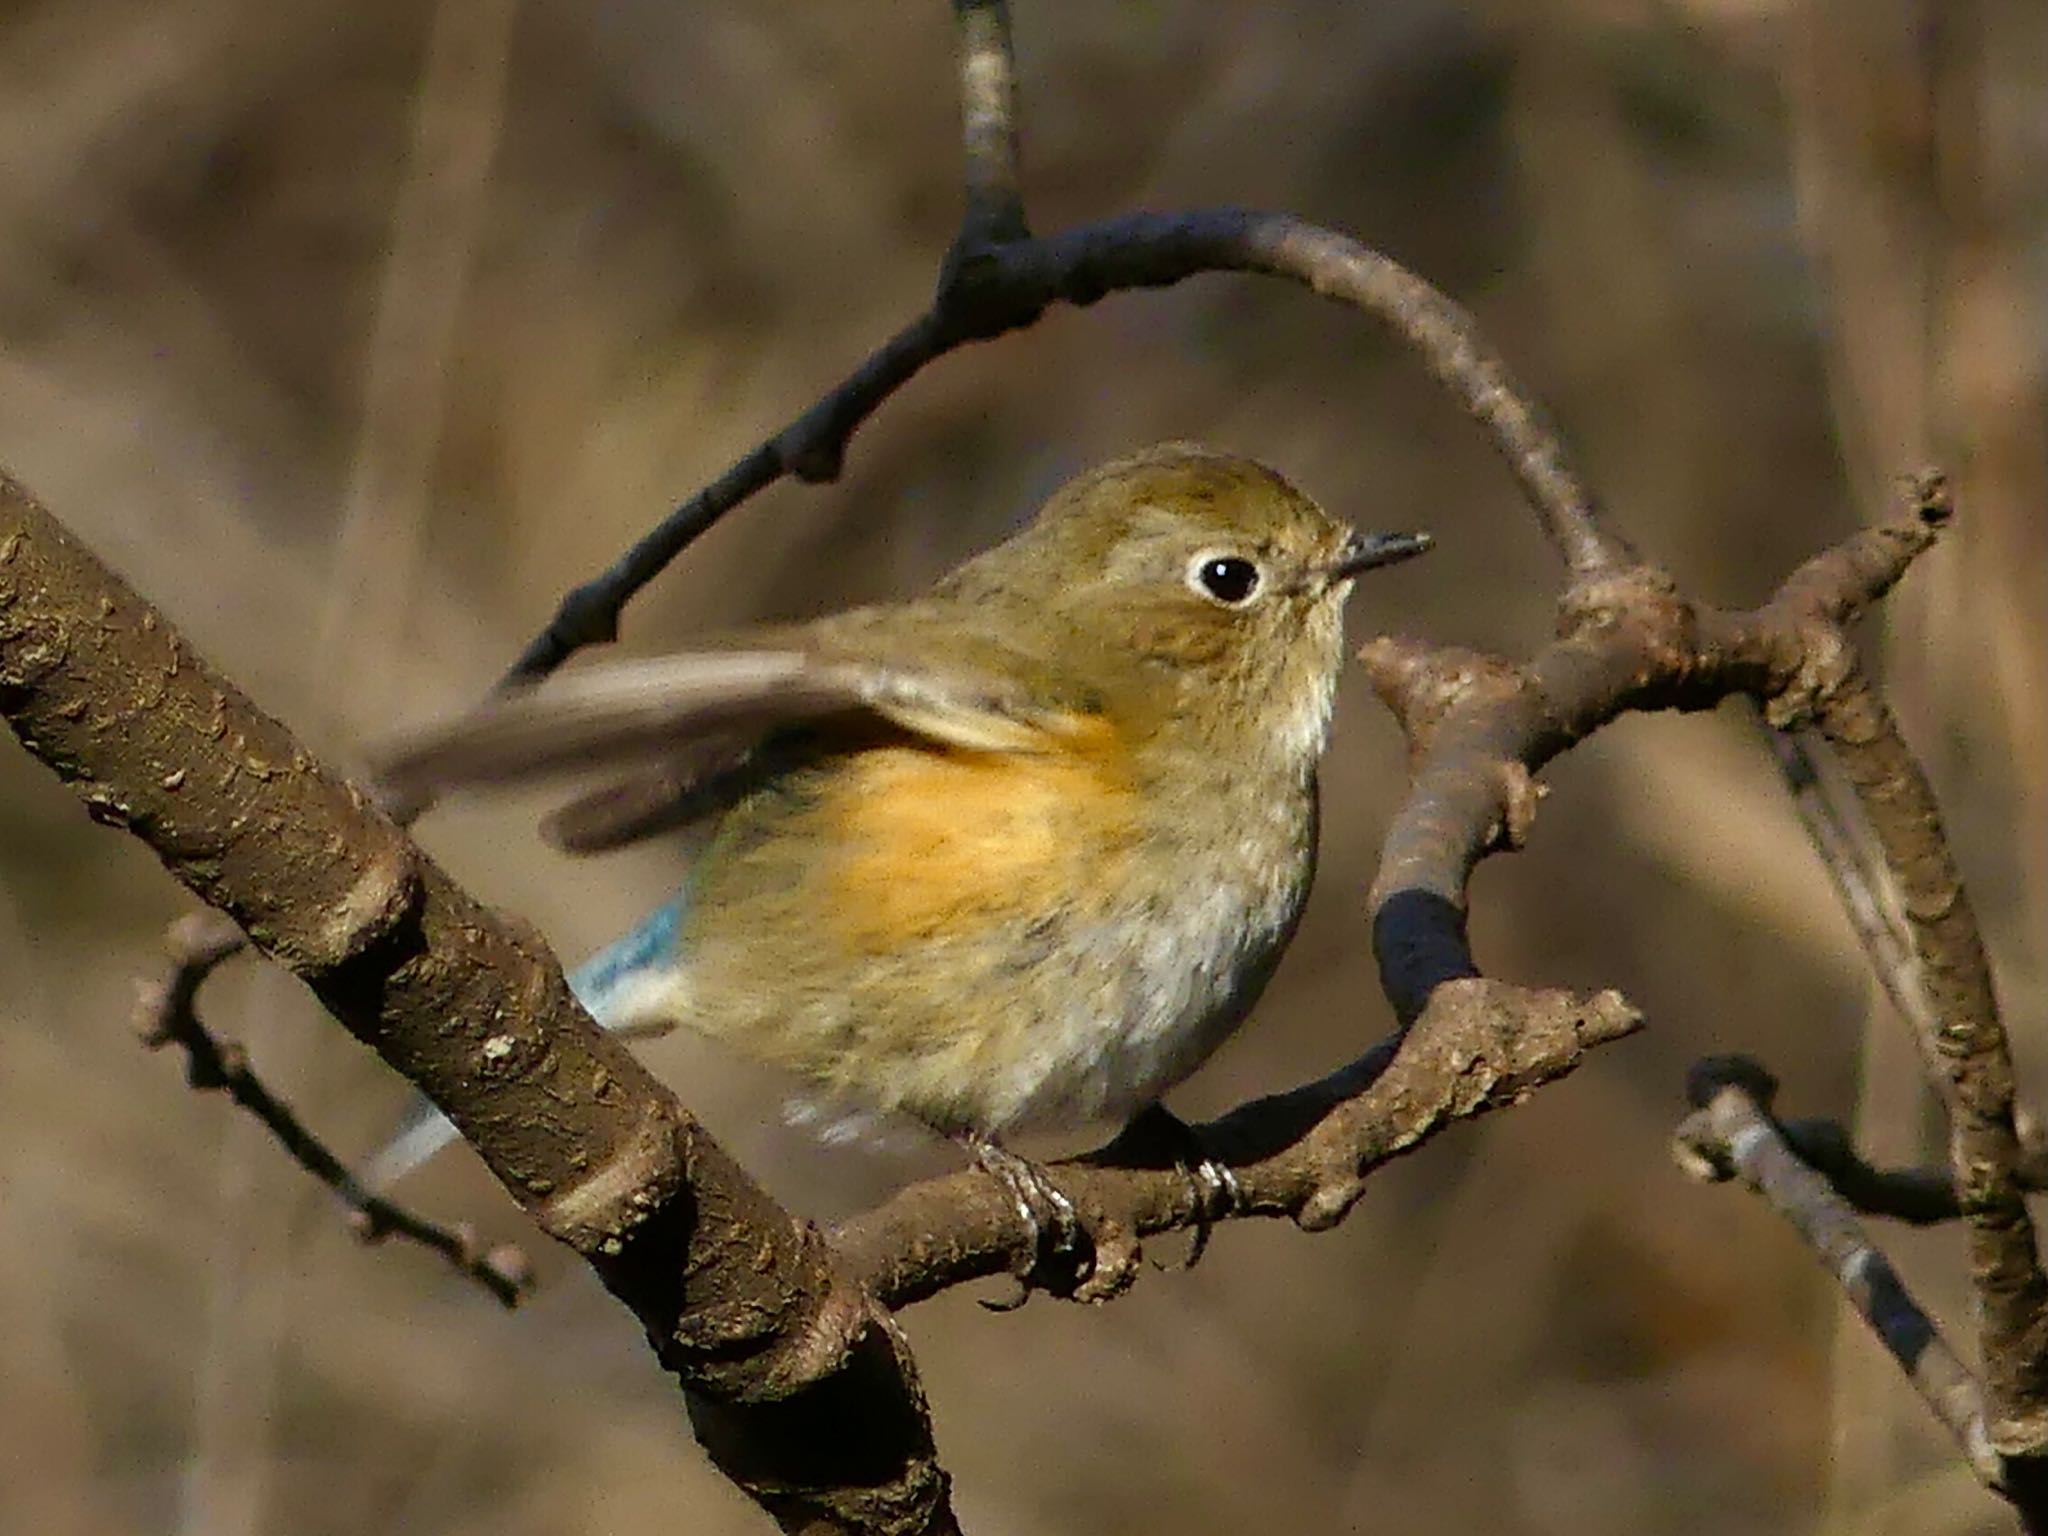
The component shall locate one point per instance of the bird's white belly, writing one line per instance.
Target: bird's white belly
(1150, 993)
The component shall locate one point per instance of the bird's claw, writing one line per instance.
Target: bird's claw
(1214, 1193)
(1058, 1235)
(1213, 1190)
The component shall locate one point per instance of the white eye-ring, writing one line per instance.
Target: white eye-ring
(1223, 577)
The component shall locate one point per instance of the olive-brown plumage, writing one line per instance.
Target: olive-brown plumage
(1022, 851)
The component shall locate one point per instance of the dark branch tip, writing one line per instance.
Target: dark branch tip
(367, 1224)
(1932, 499)
(1711, 1074)
(587, 615)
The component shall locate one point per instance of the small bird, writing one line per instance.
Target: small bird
(1018, 853)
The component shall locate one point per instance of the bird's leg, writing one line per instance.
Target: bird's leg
(1054, 1224)
(1213, 1191)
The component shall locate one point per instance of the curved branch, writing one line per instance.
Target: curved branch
(1004, 286)
(1920, 1197)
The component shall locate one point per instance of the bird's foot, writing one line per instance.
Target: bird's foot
(1062, 1253)
(1213, 1190)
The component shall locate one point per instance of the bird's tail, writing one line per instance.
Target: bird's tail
(615, 985)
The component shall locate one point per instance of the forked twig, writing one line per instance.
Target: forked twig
(166, 1014)
(1731, 1134)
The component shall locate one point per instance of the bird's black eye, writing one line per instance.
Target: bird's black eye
(1230, 580)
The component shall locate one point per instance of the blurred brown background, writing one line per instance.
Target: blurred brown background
(353, 333)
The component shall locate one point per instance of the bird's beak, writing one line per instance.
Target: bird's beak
(1370, 551)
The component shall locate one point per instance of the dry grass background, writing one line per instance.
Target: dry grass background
(352, 333)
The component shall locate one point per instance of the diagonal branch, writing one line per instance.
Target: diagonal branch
(1842, 838)
(1968, 1057)
(166, 1015)
(741, 1301)
(1731, 1134)
(1960, 1032)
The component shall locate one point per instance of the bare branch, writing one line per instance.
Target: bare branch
(1008, 285)
(1843, 840)
(741, 1301)
(1305, 1154)
(988, 111)
(1968, 1053)
(1962, 1039)
(1731, 1134)
(166, 1014)
(1480, 728)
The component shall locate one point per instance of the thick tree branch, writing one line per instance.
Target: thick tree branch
(741, 1301)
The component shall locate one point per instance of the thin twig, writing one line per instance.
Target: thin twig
(1731, 1134)
(1010, 284)
(165, 1014)
(1921, 1197)
(1869, 897)
(988, 111)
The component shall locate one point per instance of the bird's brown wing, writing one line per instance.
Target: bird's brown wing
(691, 726)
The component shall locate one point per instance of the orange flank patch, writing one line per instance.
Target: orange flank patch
(944, 842)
